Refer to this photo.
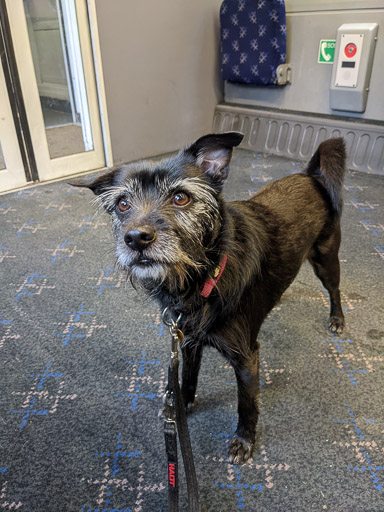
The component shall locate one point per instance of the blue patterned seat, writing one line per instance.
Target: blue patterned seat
(253, 40)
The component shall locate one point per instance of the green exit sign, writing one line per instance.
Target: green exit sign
(326, 51)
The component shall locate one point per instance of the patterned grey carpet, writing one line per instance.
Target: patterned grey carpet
(83, 360)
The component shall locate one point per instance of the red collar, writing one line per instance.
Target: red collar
(211, 282)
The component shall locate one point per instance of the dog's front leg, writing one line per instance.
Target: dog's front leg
(247, 375)
(192, 353)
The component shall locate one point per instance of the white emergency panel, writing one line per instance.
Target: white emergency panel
(355, 46)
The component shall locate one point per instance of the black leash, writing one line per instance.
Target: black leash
(175, 422)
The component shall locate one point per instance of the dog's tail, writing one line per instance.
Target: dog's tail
(328, 166)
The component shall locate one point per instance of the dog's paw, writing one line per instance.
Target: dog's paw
(336, 324)
(189, 407)
(240, 450)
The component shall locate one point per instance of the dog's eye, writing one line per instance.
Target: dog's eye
(123, 205)
(181, 199)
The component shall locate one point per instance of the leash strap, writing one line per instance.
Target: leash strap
(176, 422)
(171, 451)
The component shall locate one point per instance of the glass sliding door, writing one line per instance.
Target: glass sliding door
(55, 46)
(54, 57)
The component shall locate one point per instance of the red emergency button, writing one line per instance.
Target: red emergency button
(350, 50)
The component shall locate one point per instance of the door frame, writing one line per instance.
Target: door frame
(13, 174)
(100, 87)
(15, 139)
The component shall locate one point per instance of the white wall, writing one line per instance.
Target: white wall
(161, 72)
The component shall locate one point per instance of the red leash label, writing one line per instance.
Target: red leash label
(171, 474)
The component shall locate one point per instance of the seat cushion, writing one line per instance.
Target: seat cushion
(253, 40)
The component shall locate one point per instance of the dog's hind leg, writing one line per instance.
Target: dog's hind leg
(325, 262)
(192, 354)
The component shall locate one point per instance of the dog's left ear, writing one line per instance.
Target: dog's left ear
(214, 152)
(98, 184)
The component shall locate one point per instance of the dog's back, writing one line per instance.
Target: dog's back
(326, 171)
(303, 212)
(308, 205)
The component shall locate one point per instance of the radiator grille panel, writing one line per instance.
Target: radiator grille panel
(297, 136)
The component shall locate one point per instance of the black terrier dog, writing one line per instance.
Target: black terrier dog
(225, 265)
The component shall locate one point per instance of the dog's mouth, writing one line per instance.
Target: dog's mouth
(144, 268)
(144, 262)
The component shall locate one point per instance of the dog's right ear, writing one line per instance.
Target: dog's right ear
(98, 184)
(213, 153)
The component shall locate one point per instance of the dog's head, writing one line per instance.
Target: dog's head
(167, 216)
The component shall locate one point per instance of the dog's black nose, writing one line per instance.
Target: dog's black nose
(139, 239)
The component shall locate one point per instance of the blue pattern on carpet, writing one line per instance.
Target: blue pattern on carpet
(83, 360)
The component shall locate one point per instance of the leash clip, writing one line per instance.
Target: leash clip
(177, 334)
(169, 319)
